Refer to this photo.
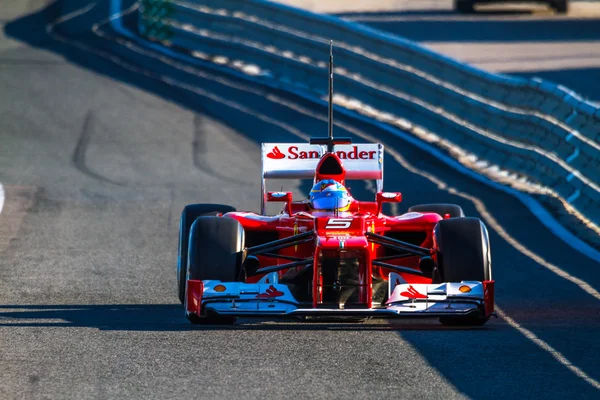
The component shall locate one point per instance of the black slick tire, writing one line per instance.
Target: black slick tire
(463, 254)
(442, 209)
(215, 252)
(188, 216)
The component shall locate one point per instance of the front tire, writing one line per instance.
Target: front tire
(463, 254)
(188, 216)
(216, 246)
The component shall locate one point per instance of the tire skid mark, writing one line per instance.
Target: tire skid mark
(171, 204)
(81, 148)
(199, 149)
(442, 185)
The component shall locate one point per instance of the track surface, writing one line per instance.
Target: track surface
(97, 161)
(520, 39)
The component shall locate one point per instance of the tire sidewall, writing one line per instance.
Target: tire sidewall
(221, 261)
(462, 250)
(189, 214)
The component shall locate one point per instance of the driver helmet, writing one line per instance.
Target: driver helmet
(329, 196)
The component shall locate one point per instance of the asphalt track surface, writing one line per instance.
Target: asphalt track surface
(98, 157)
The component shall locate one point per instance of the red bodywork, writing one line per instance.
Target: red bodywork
(340, 237)
(328, 242)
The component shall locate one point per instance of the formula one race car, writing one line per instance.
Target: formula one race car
(331, 255)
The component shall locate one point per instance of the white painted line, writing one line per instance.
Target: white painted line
(557, 355)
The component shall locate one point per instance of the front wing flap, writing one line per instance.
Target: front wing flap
(273, 299)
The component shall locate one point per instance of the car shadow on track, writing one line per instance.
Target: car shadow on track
(169, 317)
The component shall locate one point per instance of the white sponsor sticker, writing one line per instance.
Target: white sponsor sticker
(410, 215)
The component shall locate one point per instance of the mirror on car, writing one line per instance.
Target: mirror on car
(387, 197)
(283, 197)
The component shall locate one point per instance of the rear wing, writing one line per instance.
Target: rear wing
(299, 161)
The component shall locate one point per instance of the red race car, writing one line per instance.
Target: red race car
(331, 255)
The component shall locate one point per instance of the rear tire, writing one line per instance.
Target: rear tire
(464, 6)
(560, 6)
(463, 254)
(188, 216)
(442, 209)
(216, 246)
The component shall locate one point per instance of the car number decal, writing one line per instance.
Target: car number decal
(338, 223)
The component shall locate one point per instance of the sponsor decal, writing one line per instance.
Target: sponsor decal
(219, 288)
(410, 215)
(270, 293)
(276, 154)
(325, 185)
(345, 237)
(294, 153)
(338, 223)
(412, 293)
(278, 195)
(256, 217)
(464, 289)
(388, 195)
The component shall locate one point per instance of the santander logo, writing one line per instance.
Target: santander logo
(276, 154)
(293, 153)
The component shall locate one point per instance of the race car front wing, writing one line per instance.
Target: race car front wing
(273, 299)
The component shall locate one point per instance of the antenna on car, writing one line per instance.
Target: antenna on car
(329, 140)
(330, 144)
